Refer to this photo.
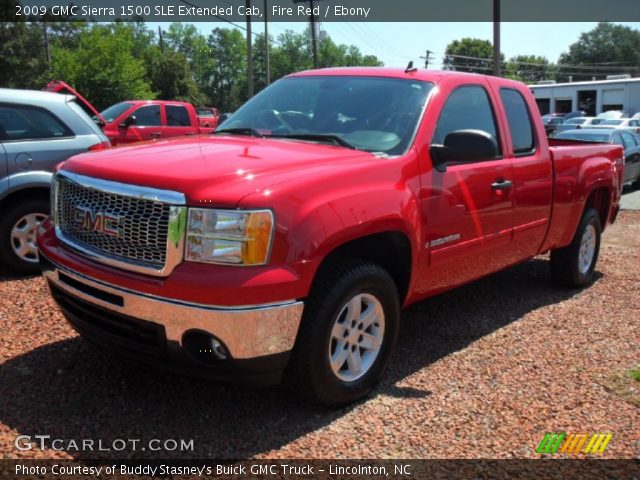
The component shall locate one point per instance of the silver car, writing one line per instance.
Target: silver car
(38, 130)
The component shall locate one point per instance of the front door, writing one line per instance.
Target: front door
(146, 125)
(466, 210)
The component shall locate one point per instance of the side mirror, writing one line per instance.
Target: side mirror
(463, 146)
(131, 120)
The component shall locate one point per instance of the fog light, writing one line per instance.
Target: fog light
(218, 350)
(204, 347)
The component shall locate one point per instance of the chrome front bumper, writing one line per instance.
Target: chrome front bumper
(247, 332)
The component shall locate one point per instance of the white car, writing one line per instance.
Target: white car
(578, 122)
(631, 124)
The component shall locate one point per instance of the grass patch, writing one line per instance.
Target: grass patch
(635, 374)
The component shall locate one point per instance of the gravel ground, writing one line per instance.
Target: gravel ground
(480, 372)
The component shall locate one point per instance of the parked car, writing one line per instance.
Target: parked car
(627, 140)
(576, 122)
(612, 115)
(636, 115)
(621, 123)
(577, 113)
(38, 130)
(139, 120)
(208, 117)
(551, 122)
(285, 244)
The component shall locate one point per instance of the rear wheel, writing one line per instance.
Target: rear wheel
(348, 332)
(574, 265)
(18, 248)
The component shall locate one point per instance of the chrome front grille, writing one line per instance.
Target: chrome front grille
(118, 224)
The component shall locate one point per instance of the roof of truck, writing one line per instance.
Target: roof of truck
(418, 74)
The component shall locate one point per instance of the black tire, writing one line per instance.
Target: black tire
(636, 184)
(565, 262)
(16, 212)
(309, 373)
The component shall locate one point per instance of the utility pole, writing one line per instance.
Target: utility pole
(314, 39)
(46, 44)
(427, 58)
(267, 73)
(496, 38)
(314, 36)
(249, 51)
(160, 37)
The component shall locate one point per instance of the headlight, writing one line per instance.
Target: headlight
(229, 236)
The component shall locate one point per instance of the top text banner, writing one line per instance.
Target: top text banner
(322, 10)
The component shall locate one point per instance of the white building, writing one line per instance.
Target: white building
(593, 97)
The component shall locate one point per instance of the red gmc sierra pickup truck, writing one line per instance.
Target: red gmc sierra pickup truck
(134, 121)
(283, 246)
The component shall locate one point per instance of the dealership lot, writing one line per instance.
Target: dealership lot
(483, 371)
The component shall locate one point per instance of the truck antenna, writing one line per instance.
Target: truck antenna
(410, 68)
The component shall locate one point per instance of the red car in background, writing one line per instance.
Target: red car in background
(208, 117)
(139, 120)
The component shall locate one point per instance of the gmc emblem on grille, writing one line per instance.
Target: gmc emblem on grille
(99, 222)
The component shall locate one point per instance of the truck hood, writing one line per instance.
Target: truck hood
(220, 170)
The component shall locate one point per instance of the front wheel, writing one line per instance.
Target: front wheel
(348, 332)
(18, 248)
(574, 265)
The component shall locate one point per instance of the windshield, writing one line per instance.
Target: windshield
(375, 114)
(114, 111)
(589, 137)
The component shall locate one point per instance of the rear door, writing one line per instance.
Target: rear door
(179, 121)
(466, 210)
(532, 174)
(34, 138)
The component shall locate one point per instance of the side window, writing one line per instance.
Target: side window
(519, 121)
(628, 140)
(148, 116)
(467, 107)
(634, 123)
(22, 122)
(177, 116)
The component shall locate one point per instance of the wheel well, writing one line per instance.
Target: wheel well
(25, 194)
(600, 199)
(390, 250)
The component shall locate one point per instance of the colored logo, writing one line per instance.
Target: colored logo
(574, 443)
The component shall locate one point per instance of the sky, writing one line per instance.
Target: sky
(398, 43)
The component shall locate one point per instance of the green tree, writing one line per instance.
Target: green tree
(607, 49)
(103, 66)
(171, 78)
(470, 55)
(528, 68)
(226, 81)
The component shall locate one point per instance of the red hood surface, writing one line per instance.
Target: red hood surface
(216, 169)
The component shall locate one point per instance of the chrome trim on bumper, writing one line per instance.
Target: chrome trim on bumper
(176, 228)
(247, 332)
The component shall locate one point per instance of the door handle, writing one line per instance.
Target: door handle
(156, 134)
(191, 133)
(502, 185)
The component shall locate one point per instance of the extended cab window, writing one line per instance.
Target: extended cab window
(177, 116)
(21, 122)
(519, 121)
(467, 108)
(148, 116)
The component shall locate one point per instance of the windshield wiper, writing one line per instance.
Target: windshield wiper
(335, 139)
(241, 131)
